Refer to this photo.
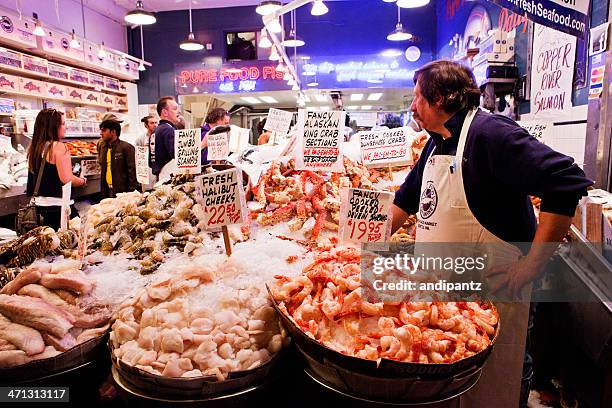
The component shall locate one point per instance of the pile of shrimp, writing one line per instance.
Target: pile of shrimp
(325, 302)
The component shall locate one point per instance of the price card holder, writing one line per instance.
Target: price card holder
(221, 194)
(65, 215)
(142, 164)
(365, 215)
(90, 168)
(187, 149)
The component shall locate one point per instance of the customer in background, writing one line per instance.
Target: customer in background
(168, 111)
(148, 140)
(47, 154)
(264, 135)
(180, 124)
(117, 161)
(216, 117)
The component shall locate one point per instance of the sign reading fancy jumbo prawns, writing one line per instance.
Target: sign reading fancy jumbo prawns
(365, 215)
(222, 198)
(320, 137)
(187, 146)
(386, 147)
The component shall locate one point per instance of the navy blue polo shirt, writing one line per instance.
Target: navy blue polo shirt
(164, 145)
(502, 165)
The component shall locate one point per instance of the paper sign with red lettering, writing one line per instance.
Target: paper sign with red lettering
(187, 143)
(386, 147)
(552, 72)
(142, 164)
(222, 197)
(365, 215)
(320, 140)
(218, 146)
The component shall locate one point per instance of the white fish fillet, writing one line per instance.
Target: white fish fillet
(12, 358)
(23, 337)
(75, 281)
(35, 313)
(24, 278)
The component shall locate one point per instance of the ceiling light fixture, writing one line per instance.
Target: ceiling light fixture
(101, 52)
(274, 26)
(375, 81)
(318, 8)
(313, 83)
(412, 3)
(268, 99)
(250, 99)
(281, 67)
(141, 66)
(392, 52)
(356, 97)
(374, 96)
(268, 7)
(293, 40)
(309, 73)
(399, 34)
(74, 43)
(264, 41)
(366, 107)
(352, 107)
(190, 44)
(274, 55)
(38, 30)
(389, 1)
(140, 16)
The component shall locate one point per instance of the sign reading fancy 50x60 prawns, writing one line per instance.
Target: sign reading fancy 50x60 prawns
(320, 137)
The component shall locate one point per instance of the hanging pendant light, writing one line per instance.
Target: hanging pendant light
(264, 41)
(412, 3)
(274, 26)
(141, 66)
(292, 40)
(38, 30)
(190, 44)
(101, 52)
(140, 16)
(287, 76)
(268, 7)
(399, 34)
(281, 67)
(295, 87)
(74, 43)
(318, 8)
(274, 55)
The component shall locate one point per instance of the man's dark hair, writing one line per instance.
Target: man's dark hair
(215, 115)
(451, 83)
(145, 120)
(219, 129)
(260, 126)
(111, 125)
(163, 103)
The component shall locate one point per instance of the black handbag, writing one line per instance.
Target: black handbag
(28, 217)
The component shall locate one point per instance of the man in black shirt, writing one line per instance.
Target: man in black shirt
(168, 111)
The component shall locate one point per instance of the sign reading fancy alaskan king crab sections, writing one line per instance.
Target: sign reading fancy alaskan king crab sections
(320, 139)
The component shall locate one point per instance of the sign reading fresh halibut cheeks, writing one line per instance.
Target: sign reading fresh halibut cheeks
(222, 198)
(320, 136)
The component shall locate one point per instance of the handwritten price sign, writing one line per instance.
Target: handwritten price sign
(222, 198)
(541, 130)
(142, 164)
(365, 215)
(187, 146)
(386, 147)
(320, 137)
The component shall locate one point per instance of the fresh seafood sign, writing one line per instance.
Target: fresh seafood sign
(142, 164)
(218, 146)
(365, 215)
(187, 147)
(278, 121)
(320, 137)
(222, 198)
(386, 147)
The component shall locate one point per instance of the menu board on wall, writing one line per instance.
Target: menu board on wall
(320, 139)
(552, 72)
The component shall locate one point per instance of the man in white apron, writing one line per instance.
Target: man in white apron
(474, 165)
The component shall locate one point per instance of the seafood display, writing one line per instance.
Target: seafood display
(13, 166)
(325, 302)
(148, 225)
(407, 232)
(82, 148)
(209, 317)
(42, 313)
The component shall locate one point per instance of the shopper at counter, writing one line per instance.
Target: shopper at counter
(472, 184)
(264, 135)
(117, 161)
(168, 111)
(47, 154)
(148, 140)
(216, 117)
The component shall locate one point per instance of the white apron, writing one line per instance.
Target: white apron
(444, 216)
